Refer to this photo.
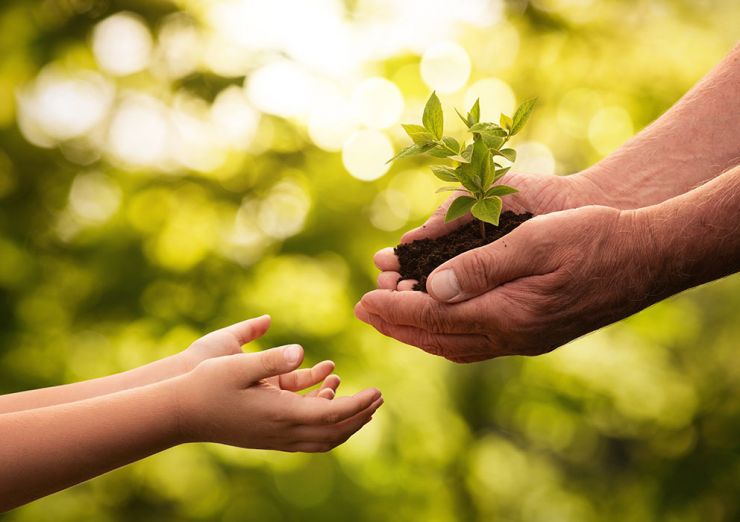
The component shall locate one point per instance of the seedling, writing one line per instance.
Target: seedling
(476, 171)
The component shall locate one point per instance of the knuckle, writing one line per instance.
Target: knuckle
(431, 317)
(433, 345)
(477, 269)
(269, 362)
(330, 417)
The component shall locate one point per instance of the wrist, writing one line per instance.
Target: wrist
(178, 403)
(593, 186)
(182, 362)
(649, 252)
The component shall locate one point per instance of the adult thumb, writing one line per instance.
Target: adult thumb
(272, 362)
(480, 270)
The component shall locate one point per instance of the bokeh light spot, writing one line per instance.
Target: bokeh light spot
(609, 128)
(445, 67)
(365, 154)
(495, 97)
(534, 157)
(377, 103)
(389, 210)
(122, 44)
(94, 197)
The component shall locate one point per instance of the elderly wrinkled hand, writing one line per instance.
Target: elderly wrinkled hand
(555, 278)
(538, 194)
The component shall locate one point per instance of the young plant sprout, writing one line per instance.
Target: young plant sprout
(477, 170)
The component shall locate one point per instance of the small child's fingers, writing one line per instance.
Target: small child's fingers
(386, 260)
(333, 382)
(311, 411)
(302, 379)
(326, 393)
(328, 388)
(406, 285)
(388, 280)
(244, 331)
(338, 433)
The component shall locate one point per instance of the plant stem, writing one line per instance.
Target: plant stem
(482, 229)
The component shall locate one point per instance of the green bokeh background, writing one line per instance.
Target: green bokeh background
(637, 422)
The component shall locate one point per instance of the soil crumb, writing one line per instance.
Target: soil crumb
(419, 258)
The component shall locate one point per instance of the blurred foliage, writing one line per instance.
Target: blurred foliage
(135, 216)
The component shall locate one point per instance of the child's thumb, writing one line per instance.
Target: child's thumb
(269, 363)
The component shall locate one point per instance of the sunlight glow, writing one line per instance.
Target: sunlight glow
(284, 210)
(282, 88)
(233, 118)
(122, 44)
(179, 47)
(64, 106)
(365, 153)
(609, 128)
(445, 67)
(389, 210)
(495, 97)
(534, 157)
(330, 120)
(138, 133)
(94, 197)
(377, 103)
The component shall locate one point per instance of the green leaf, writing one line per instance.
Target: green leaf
(472, 174)
(469, 180)
(444, 173)
(500, 190)
(459, 158)
(419, 134)
(451, 143)
(488, 210)
(500, 174)
(509, 154)
(522, 115)
(491, 141)
(447, 189)
(439, 151)
(411, 150)
(474, 114)
(433, 119)
(459, 208)
(467, 153)
(505, 121)
(463, 118)
(488, 174)
(489, 128)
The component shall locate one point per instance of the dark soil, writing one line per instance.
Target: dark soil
(419, 258)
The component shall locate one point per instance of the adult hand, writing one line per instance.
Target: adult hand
(554, 278)
(537, 194)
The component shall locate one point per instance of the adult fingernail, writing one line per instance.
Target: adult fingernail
(292, 353)
(444, 285)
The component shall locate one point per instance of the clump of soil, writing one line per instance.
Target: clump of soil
(419, 258)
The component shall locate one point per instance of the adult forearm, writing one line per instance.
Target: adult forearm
(47, 449)
(695, 236)
(141, 376)
(694, 141)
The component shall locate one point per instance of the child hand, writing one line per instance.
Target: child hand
(249, 401)
(229, 341)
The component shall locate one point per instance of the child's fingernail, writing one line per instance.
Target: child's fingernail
(293, 353)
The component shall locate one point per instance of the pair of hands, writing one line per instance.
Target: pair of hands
(573, 268)
(250, 400)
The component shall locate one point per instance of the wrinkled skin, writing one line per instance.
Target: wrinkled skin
(547, 282)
